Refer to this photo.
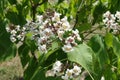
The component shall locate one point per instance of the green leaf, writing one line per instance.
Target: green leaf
(31, 44)
(13, 17)
(24, 54)
(114, 5)
(40, 75)
(7, 48)
(98, 12)
(55, 45)
(102, 59)
(84, 27)
(98, 46)
(12, 2)
(57, 55)
(109, 39)
(7, 52)
(82, 55)
(30, 70)
(109, 74)
(116, 46)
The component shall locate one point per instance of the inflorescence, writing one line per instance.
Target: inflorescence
(45, 30)
(112, 21)
(59, 69)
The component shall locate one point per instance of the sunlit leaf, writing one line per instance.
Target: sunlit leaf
(82, 55)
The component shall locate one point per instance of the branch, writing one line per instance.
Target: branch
(34, 7)
(77, 14)
(90, 32)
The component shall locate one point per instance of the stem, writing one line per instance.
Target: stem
(90, 75)
(34, 12)
(80, 6)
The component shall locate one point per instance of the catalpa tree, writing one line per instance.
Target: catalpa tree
(62, 39)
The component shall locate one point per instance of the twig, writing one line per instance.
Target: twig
(90, 32)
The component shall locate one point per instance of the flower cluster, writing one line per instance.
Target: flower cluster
(56, 70)
(51, 26)
(112, 21)
(17, 33)
(71, 41)
(65, 74)
(47, 28)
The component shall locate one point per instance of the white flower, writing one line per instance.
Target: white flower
(56, 17)
(18, 27)
(13, 32)
(41, 27)
(40, 18)
(57, 66)
(112, 17)
(45, 22)
(12, 38)
(70, 39)
(64, 19)
(23, 28)
(114, 25)
(105, 20)
(42, 40)
(117, 15)
(76, 70)
(43, 48)
(8, 29)
(50, 73)
(65, 77)
(66, 26)
(102, 78)
(60, 34)
(107, 14)
(76, 34)
(47, 32)
(69, 73)
(67, 48)
(59, 73)
(111, 21)
(76, 31)
(19, 37)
